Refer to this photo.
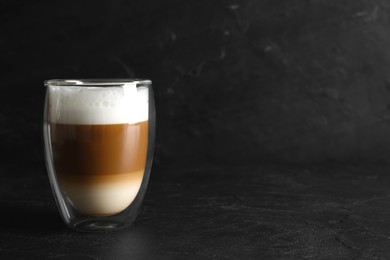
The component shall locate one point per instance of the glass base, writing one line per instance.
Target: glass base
(98, 225)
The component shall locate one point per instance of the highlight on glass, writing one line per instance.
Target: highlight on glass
(99, 139)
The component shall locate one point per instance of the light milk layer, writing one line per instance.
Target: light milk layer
(98, 105)
(103, 199)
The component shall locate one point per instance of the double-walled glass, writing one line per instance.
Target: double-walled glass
(99, 139)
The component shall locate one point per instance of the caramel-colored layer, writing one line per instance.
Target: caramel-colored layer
(98, 150)
(86, 179)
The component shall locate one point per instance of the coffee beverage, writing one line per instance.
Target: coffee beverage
(99, 140)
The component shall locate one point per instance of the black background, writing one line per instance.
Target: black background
(273, 125)
(236, 82)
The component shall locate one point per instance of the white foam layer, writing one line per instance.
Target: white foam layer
(98, 105)
(102, 199)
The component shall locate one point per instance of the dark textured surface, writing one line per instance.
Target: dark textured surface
(238, 83)
(268, 212)
(257, 81)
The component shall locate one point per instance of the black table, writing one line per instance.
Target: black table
(333, 211)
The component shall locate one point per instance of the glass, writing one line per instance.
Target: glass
(99, 138)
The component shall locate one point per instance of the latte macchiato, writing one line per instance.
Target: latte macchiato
(99, 142)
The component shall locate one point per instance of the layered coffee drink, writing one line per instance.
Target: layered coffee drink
(99, 140)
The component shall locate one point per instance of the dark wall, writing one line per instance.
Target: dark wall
(235, 81)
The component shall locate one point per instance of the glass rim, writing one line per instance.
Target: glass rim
(109, 82)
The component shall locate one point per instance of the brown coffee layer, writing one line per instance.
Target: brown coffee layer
(93, 153)
(100, 179)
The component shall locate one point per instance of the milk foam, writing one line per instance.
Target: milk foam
(98, 105)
